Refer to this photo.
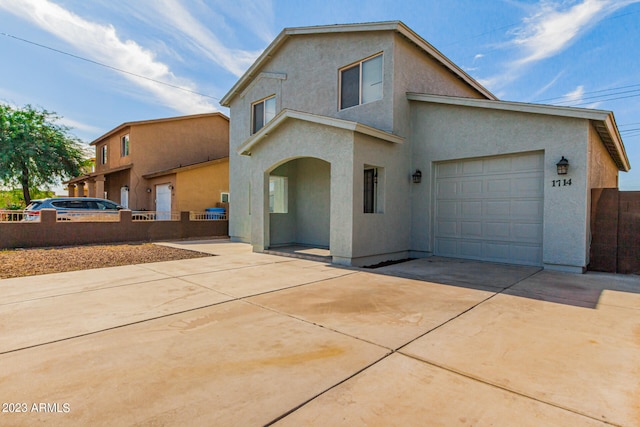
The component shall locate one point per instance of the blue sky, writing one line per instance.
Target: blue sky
(582, 53)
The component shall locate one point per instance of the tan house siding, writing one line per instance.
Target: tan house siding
(201, 188)
(603, 170)
(154, 146)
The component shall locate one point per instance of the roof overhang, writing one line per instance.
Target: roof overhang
(146, 122)
(93, 175)
(603, 121)
(185, 168)
(396, 26)
(286, 114)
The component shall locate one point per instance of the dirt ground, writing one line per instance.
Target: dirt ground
(30, 262)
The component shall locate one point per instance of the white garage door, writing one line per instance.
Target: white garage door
(490, 209)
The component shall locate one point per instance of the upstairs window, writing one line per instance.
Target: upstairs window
(262, 113)
(103, 154)
(124, 146)
(361, 83)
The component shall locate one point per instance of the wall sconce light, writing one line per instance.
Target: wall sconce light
(563, 166)
(126, 187)
(170, 187)
(148, 190)
(417, 177)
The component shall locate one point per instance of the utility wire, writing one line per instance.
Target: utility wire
(108, 66)
(590, 92)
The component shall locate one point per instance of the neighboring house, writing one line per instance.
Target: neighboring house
(366, 140)
(172, 164)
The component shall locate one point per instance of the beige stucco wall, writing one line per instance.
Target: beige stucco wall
(304, 76)
(200, 188)
(298, 139)
(444, 132)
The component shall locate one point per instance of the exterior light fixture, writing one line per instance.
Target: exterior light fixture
(148, 190)
(126, 187)
(417, 177)
(563, 166)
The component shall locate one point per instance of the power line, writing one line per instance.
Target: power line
(108, 66)
(590, 92)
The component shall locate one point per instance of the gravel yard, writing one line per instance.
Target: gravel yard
(30, 262)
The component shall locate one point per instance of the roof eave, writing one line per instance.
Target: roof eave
(397, 26)
(255, 139)
(603, 121)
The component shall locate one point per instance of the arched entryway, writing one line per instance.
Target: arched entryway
(300, 203)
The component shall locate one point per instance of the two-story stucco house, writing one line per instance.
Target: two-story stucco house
(366, 140)
(171, 164)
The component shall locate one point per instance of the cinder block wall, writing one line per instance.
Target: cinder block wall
(49, 232)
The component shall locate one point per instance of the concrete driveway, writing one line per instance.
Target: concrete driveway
(244, 339)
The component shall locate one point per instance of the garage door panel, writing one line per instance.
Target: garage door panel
(470, 229)
(491, 209)
(471, 208)
(448, 188)
(470, 248)
(497, 251)
(524, 232)
(497, 208)
(499, 187)
(472, 167)
(446, 247)
(447, 228)
(526, 208)
(447, 209)
(498, 230)
(471, 187)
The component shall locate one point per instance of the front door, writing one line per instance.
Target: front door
(163, 201)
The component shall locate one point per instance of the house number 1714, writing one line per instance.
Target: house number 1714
(561, 182)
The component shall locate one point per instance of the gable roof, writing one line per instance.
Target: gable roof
(286, 114)
(146, 122)
(603, 121)
(396, 26)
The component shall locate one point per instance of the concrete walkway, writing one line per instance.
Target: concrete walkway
(244, 339)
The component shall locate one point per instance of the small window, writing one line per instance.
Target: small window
(262, 113)
(278, 194)
(373, 189)
(224, 197)
(370, 184)
(361, 83)
(103, 154)
(124, 146)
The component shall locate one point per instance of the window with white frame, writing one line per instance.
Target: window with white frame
(103, 154)
(278, 194)
(361, 83)
(262, 112)
(124, 146)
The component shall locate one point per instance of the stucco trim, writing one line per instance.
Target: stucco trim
(602, 120)
(286, 114)
(95, 174)
(145, 122)
(396, 26)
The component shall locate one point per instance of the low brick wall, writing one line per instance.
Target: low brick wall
(49, 232)
(615, 231)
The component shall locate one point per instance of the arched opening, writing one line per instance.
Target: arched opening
(300, 203)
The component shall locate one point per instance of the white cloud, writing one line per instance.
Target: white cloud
(175, 14)
(478, 56)
(574, 96)
(101, 43)
(554, 26)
